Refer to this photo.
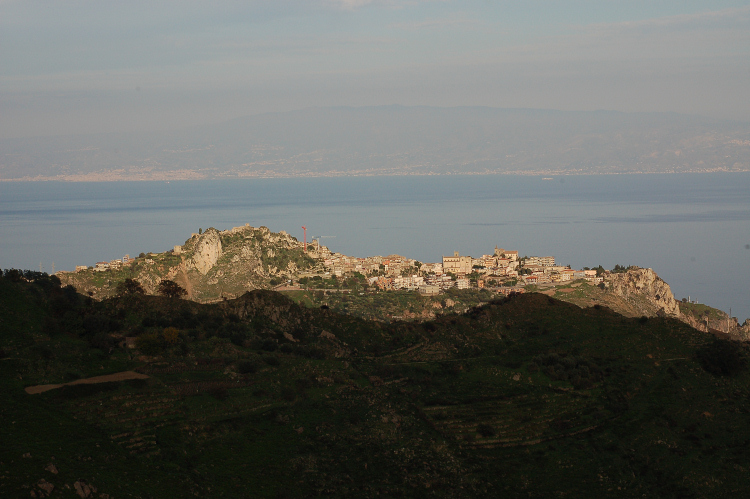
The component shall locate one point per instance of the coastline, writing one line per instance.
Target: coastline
(178, 175)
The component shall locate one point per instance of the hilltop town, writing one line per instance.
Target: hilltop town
(216, 265)
(502, 270)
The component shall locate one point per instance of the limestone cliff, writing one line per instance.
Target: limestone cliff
(646, 291)
(207, 251)
(743, 331)
(709, 319)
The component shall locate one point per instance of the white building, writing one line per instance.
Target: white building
(462, 283)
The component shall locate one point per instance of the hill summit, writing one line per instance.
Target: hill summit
(210, 265)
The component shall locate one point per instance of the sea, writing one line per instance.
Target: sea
(693, 230)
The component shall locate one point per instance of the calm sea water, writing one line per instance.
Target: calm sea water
(692, 229)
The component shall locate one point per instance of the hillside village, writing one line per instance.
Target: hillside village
(501, 269)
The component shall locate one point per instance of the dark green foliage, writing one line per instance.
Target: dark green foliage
(185, 319)
(722, 357)
(521, 397)
(486, 430)
(620, 269)
(159, 321)
(13, 275)
(286, 348)
(129, 287)
(271, 360)
(85, 390)
(171, 289)
(269, 345)
(102, 341)
(247, 367)
(51, 326)
(44, 351)
(310, 352)
(99, 323)
(219, 392)
(288, 393)
(151, 344)
(581, 373)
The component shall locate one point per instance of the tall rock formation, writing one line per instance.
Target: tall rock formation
(645, 289)
(207, 251)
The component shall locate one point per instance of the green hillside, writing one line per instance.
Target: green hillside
(260, 396)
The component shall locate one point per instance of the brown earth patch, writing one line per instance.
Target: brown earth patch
(125, 375)
(566, 290)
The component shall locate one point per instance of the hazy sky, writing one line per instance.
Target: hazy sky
(88, 66)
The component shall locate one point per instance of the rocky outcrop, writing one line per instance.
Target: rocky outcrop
(645, 289)
(84, 489)
(743, 331)
(207, 251)
(211, 266)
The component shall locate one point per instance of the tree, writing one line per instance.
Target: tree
(171, 335)
(129, 287)
(171, 289)
(14, 275)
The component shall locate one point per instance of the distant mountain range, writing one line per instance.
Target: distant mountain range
(392, 140)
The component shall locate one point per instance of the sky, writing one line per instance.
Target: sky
(86, 66)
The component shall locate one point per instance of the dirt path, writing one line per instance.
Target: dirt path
(96, 379)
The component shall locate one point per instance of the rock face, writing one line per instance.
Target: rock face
(644, 287)
(207, 251)
(743, 331)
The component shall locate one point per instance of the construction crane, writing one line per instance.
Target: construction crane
(305, 229)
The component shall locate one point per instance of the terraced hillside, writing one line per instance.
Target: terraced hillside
(261, 397)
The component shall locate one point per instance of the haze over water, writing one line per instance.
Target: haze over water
(692, 229)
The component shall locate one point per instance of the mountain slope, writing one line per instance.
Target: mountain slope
(258, 396)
